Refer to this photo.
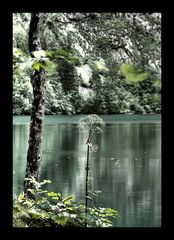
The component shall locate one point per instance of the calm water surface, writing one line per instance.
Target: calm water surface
(126, 168)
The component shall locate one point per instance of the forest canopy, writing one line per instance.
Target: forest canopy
(103, 63)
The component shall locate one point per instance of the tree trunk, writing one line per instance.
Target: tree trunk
(34, 154)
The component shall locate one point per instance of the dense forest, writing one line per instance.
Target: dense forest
(103, 63)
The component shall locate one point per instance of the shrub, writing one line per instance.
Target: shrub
(51, 209)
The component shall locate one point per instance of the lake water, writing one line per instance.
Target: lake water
(126, 168)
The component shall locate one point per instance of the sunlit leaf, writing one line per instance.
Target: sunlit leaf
(60, 220)
(35, 215)
(157, 98)
(17, 52)
(100, 66)
(19, 71)
(48, 66)
(21, 197)
(49, 53)
(40, 53)
(132, 73)
(89, 198)
(46, 181)
(62, 52)
(68, 200)
(75, 61)
(36, 66)
(55, 198)
(157, 84)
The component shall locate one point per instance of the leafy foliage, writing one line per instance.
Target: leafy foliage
(114, 46)
(51, 209)
(132, 73)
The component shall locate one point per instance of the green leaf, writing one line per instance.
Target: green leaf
(49, 53)
(51, 194)
(74, 60)
(70, 209)
(157, 84)
(132, 73)
(48, 66)
(17, 52)
(100, 66)
(21, 197)
(55, 198)
(19, 71)
(89, 198)
(36, 66)
(62, 52)
(156, 98)
(68, 200)
(46, 181)
(40, 53)
(60, 220)
(35, 215)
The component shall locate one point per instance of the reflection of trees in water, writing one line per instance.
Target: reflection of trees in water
(129, 146)
(20, 140)
(63, 159)
(131, 172)
(146, 170)
(20, 135)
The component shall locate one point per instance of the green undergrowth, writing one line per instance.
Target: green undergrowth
(50, 209)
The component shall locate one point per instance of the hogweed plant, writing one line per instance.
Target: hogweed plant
(92, 125)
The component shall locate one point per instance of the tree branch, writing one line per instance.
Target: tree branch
(76, 19)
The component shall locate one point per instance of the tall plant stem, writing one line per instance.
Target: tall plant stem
(87, 173)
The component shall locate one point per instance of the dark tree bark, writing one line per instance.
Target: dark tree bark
(34, 154)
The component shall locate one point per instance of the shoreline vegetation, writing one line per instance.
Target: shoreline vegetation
(50, 209)
(75, 117)
(81, 114)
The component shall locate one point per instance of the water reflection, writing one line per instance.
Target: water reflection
(130, 173)
(126, 167)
